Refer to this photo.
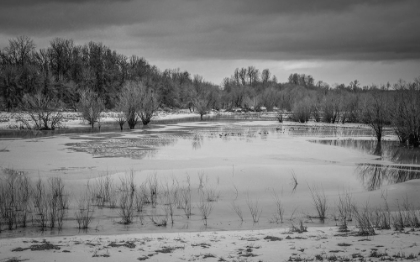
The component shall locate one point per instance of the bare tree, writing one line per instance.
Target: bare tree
(265, 77)
(331, 108)
(375, 112)
(350, 107)
(302, 110)
(202, 106)
(147, 105)
(252, 74)
(43, 111)
(91, 106)
(20, 50)
(121, 119)
(129, 103)
(405, 113)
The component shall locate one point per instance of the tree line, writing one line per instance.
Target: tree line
(64, 69)
(92, 77)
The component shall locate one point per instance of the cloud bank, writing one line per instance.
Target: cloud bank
(273, 30)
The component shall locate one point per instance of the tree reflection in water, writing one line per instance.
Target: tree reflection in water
(374, 176)
(378, 149)
(197, 140)
(391, 150)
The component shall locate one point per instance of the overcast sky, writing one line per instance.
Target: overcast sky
(337, 41)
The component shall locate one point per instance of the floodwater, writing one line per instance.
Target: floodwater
(241, 162)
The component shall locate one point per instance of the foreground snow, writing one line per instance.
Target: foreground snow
(250, 245)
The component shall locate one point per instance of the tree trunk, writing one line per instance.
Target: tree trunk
(379, 136)
(145, 121)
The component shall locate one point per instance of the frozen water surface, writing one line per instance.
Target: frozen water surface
(237, 160)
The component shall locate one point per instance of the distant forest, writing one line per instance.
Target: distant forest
(66, 72)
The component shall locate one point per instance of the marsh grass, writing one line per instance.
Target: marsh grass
(238, 211)
(294, 181)
(254, 209)
(104, 192)
(211, 194)
(40, 205)
(201, 182)
(170, 195)
(278, 216)
(406, 215)
(205, 207)
(159, 217)
(51, 203)
(58, 202)
(381, 217)
(46, 204)
(186, 201)
(127, 198)
(84, 212)
(363, 221)
(320, 202)
(142, 196)
(300, 228)
(140, 199)
(152, 184)
(345, 211)
(15, 199)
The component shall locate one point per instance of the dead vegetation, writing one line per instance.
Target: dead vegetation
(254, 209)
(45, 204)
(320, 202)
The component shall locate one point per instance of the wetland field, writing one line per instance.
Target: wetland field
(199, 187)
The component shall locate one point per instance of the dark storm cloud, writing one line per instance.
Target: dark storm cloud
(10, 3)
(300, 6)
(61, 16)
(236, 29)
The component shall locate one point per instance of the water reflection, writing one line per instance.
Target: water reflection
(336, 131)
(374, 176)
(197, 140)
(391, 150)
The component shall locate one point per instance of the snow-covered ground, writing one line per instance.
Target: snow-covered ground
(318, 244)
